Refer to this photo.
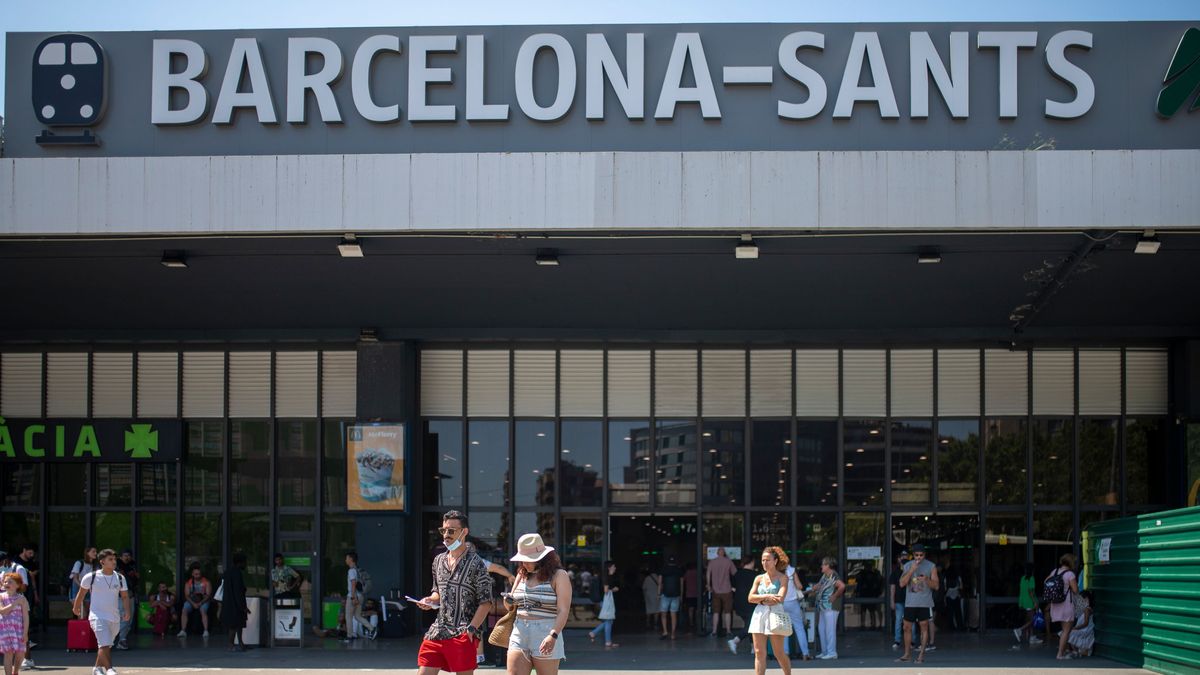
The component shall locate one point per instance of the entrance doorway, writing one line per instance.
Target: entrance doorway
(952, 542)
(642, 547)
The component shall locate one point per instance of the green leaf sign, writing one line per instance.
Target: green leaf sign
(1182, 80)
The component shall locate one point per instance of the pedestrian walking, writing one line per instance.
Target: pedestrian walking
(14, 622)
(197, 594)
(743, 583)
(501, 570)
(827, 595)
(542, 595)
(462, 596)
(691, 597)
(356, 624)
(128, 568)
(670, 592)
(162, 609)
(869, 586)
(896, 597)
(28, 560)
(608, 606)
(1059, 587)
(234, 611)
(1028, 602)
(768, 592)
(651, 582)
(108, 608)
(719, 579)
(85, 565)
(285, 581)
(952, 582)
(920, 580)
(793, 604)
(11, 565)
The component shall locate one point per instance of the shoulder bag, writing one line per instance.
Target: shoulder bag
(502, 631)
(778, 621)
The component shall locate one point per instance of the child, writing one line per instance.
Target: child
(162, 605)
(1083, 635)
(14, 622)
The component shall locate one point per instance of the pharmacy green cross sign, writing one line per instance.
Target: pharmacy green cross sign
(1182, 80)
(84, 440)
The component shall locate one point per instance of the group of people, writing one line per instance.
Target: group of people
(1062, 603)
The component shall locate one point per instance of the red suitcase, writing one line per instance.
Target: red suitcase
(80, 637)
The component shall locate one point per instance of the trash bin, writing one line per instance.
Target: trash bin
(252, 634)
(287, 623)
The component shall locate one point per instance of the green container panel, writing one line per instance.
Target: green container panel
(1148, 591)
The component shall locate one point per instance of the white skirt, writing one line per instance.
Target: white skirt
(758, 620)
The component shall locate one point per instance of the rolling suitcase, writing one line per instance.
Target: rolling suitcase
(80, 637)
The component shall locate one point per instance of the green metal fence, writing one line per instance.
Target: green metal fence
(1145, 572)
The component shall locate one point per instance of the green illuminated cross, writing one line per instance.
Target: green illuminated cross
(142, 441)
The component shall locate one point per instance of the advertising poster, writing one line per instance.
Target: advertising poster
(375, 467)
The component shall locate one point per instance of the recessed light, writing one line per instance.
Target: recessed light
(350, 248)
(747, 249)
(173, 259)
(1148, 243)
(547, 257)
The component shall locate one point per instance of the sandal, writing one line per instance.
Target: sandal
(920, 656)
(612, 645)
(592, 637)
(903, 659)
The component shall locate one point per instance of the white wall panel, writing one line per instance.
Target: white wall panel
(628, 383)
(487, 383)
(244, 196)
(66, 384)
(675, 383)
(854, 189)
(112, 384)
(1146, 382)
(512, 190)
(581, 383)
(46, 195)
(1062, 181)
(647, 189)
(579, 189)
(1099, 382)
(1179, 204)
(864, 375)
(309, 191)
(534, 382)
(817, 383)
(784, 189)
(126, 195)
(723, 372)
(716, 189)
(1006, 382)
(916, 196)
(157, 384)
(296, 384)
(376, 194)
(1053, 382)
(339, 384)
(203, 384)
(7, 218)
(177, 190)
(444, 191)
(441, 383)
(958, 382)
(21, 384)
(771, 382)
(249, 384)
(912, 383)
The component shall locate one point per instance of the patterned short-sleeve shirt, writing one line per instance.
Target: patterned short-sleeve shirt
(462, 591)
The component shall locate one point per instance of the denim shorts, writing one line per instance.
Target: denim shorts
(527, 636)
(668, 604)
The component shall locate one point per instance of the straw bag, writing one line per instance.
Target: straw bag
(778, 622)
(502, 631)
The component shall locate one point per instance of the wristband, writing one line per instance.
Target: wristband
(554, 634)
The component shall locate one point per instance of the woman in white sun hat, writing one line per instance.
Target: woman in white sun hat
(542, 594)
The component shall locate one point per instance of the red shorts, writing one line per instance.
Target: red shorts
(456, 655)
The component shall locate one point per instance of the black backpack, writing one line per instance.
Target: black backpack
(1054, 588)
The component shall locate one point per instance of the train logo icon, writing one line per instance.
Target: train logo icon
(69, 86)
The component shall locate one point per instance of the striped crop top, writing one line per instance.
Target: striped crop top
(535, 602)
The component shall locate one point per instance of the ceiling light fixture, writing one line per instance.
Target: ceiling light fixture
(1148, 244)
(747, 250)
(350, 248)
(173, 259)
(929, 258)
(547, 257)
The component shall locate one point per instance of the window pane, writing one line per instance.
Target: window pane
(723, 446)
(251, 534)
(202, 475)
(20, 485)
(443, 461)
(1004, 462)
(816, 463)
(675, 462)
(1004, 543)
(68, 484)
(250, 462)
(490, 533)
(724, 530)
(25, 529)
(541, 522)
(156, 551)
(862, 455)
(338, 535)
(114, 485)
(1088, 518)
(769, 529)
(535, 464)
(1052, 537)
(296, 470)
(582, 549)
(628, 463)
(580, 463)
(912, 462)
(1052, 443)
(488, 457)
(113, 530)
(818, 538)
(1146, 471)
(770, 464)
(862, 573)
(157, 485)
(1099, 456)
(202, 543)
(958, 461)
(65, 544)
(334, 471)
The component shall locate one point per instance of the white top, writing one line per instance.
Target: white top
(81, 568)
(791, 589)
(351, 582)
(14, 567)
(106, 594)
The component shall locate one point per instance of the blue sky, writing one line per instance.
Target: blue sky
(82, 16)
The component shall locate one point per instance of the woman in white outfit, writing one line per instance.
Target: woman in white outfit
(769, 589)
(828, 592)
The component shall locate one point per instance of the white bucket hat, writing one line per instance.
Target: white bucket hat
(531, 548)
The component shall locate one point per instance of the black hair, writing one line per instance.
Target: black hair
(1028, 569)
(456, 515)
(353, 555)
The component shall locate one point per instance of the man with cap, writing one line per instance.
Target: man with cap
(462, 596)
(919, 579)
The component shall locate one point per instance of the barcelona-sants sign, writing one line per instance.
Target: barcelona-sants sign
(82, 440)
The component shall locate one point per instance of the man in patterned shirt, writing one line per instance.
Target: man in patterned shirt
(462, 596)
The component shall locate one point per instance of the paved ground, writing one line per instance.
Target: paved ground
(644, 654)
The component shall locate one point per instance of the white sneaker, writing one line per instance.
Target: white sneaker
(479, 659)
(1017, 634)
(733, 644)
(28, 664)
(111, 671)
(182, 633)
(97, 671)
(827, 657)
(1035, 640)
(205, 633)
